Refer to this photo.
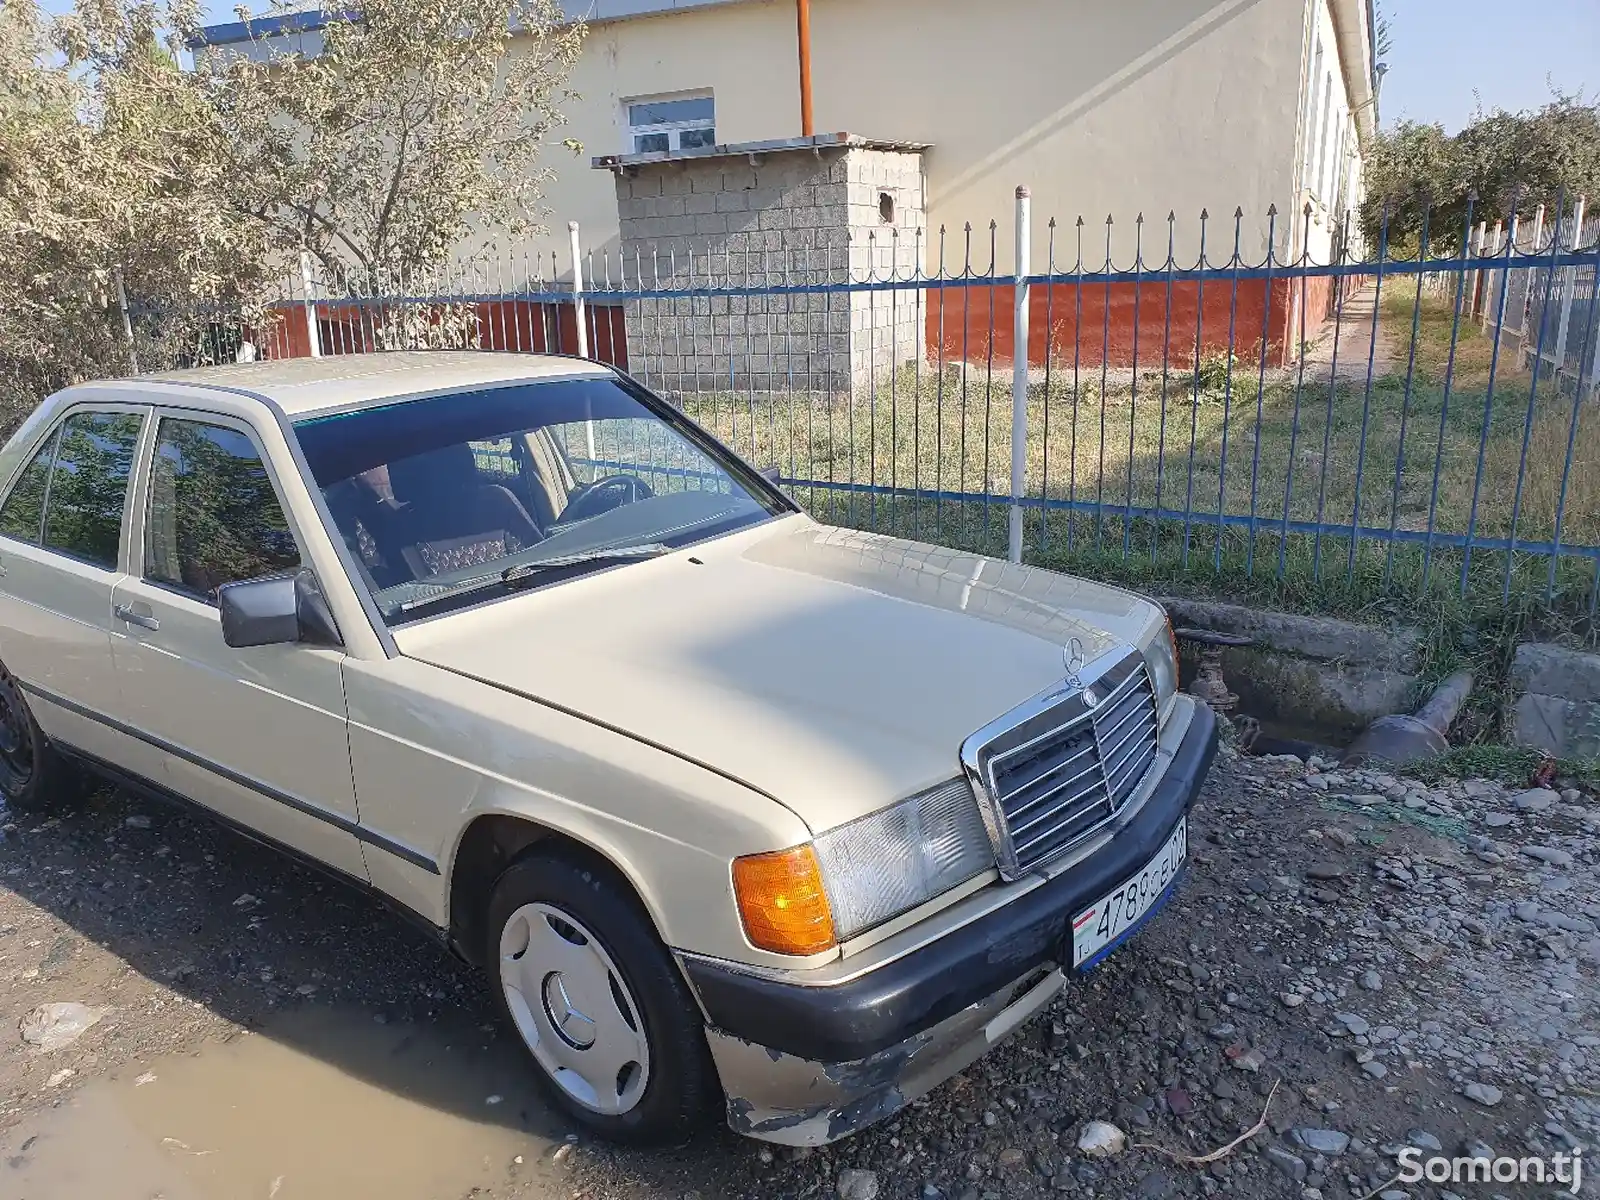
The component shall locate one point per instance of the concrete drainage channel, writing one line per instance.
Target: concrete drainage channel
(1342, 690)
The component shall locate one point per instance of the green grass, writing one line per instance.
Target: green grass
(1510, 765)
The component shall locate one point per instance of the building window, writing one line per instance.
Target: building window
(662, 124)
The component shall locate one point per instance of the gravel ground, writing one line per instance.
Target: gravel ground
(1389, 964)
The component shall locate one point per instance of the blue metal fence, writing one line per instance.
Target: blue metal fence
(1406, 419)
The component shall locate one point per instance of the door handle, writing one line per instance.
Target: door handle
(143, 620)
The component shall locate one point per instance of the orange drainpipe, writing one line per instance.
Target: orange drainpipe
(803, 24)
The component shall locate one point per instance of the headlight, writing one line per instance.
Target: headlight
(1162, 655)
(879, 866)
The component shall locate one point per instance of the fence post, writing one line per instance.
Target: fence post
(1569, 283)
(313, 338)
(127, 323)
(577, 289)
(1019, 371)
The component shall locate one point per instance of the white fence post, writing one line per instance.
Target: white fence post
(577, 289)
(1019, 371)
(127, 324)
(1569, 284)
(306, 280)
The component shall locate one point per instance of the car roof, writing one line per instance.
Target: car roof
(301, 386)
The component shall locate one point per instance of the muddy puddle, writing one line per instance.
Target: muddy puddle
(324, 1105)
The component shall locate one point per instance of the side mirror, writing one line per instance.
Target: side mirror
(275, 611)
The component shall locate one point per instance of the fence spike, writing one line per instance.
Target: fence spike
(1272, 210)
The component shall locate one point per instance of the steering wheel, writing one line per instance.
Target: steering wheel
(603, 495)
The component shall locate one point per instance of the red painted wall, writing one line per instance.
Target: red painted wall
(1090, 323)
(515, 325)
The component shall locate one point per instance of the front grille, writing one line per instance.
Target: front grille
(1062, 773)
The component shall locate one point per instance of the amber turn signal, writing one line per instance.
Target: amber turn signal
(782, 902)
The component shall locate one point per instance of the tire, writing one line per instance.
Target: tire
(32, 775)
(578, 973)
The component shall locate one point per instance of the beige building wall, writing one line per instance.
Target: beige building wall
(1101, 108)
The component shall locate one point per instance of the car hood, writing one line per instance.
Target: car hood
(832, 669)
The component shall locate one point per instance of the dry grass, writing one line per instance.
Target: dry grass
(1245, 442)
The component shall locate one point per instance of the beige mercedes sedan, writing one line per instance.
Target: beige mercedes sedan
(732, 808)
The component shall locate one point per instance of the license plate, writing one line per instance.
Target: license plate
(1098, 928)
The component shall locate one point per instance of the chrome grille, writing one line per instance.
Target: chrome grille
(1062, 773)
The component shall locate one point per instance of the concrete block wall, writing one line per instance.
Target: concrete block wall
(1557, 706)
(797, 217)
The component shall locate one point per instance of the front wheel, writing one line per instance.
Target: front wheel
(578, 971)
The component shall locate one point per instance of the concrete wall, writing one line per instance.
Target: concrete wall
(794, 217)
(1142, 105)
(1557, 707)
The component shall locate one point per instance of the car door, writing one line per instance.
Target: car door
(62, 526)
(257, 734)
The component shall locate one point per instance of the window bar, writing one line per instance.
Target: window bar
(1449, 378)
(1049, 356)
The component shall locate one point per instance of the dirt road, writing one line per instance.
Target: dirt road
(1377, 950)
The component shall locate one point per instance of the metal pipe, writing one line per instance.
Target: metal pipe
(1019, 374)
(803, 31)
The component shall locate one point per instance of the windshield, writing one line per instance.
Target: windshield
(455, 499)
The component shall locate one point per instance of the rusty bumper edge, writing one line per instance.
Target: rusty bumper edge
(777, 1097)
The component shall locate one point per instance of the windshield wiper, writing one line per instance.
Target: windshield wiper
(528, 570)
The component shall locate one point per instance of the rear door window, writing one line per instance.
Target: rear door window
(88, 486)
(22, 515)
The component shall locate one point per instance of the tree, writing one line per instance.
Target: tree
(111, 162)
(416, 124)
(1509, 161)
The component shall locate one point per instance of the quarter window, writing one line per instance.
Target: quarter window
(671, 123)
(214, 516)
(23, 514)
(89, 485)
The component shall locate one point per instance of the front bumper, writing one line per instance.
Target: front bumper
(806, 1065)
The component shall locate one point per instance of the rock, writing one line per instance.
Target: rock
(1534, 800)
(1179, 1102)
(1374, 1069)
(1485, 1094)
(51, 1027)
(137, 821)
(1423, 1140)
(1498, 820)
(59, 1077)
(1355, 1025)
(1325, 871)
(1371, 981)
(854, 1184)
(1549, 854)
(1291, 999)
(1251, 1061)
(1324, 1141)
(1292, 1165)
(1011, 1157)
(1101, 1139)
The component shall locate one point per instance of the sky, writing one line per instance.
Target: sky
(1505, 49)
(1448, 55)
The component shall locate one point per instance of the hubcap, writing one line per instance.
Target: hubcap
(573, 1009)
